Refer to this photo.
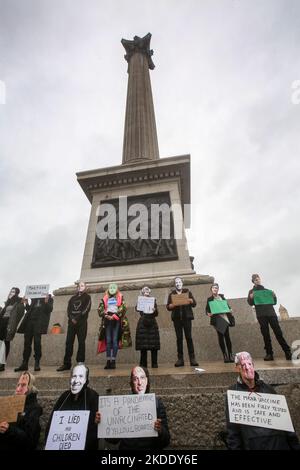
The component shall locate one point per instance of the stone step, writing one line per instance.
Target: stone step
(245, 337)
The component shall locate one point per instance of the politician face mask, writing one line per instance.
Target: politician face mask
(178, 283)
(78, 379)
(112, 289)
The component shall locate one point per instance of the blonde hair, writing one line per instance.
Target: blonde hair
(31, 381)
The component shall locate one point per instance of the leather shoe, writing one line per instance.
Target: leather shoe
(22, 367)
(269, 357)
(63, 367)
(179, 363)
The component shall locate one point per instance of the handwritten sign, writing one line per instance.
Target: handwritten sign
(265, 410)
(145, 304)
(10, 407)
(127, 416)
(37, 291)
(180, 299)
(68, 430)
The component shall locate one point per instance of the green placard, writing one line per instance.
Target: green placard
(263, 297)
(218, 306)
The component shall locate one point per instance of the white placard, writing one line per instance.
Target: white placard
(37, 291)
(68, 430)
(265, 410)
(145, 304)
(127, 416)
(112, 306)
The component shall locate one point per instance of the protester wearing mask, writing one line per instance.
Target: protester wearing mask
(25, 433)
(10, 317)
(182, 316)
(34, 324)
(245, 437)
(140, 384)
(147, 333)
(78, 310)
(80, 397)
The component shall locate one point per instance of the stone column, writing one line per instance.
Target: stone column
(140, 136)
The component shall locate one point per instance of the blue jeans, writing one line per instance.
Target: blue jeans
(112, 338)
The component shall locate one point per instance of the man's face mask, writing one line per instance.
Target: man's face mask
(12, 293)
(146, 291)
(78, 379)
(246, 368)
(23, 385)
(178, 283)
(112, 289)
(140, 381)
(81, 287)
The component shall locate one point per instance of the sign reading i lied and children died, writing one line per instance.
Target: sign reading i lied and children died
(127, 416)
(265, 410)
(37, 291)
(68, 430)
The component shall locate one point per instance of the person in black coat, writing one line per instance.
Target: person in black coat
(140, 383)
(25, 433)
(80, 397)
(78, 310)
(221, 322)
(10, 317)
(182, 316)
(244, 437)
(34, 324)
(266, 316)
(147, 333)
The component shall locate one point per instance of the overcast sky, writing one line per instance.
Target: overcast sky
(222, 90)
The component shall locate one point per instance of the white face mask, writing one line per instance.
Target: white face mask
(78, 379)
(146, 291)
(140, 381)
(178, 283)
(81, 287)
(12, 293)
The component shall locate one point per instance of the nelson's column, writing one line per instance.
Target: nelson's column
(142, 180)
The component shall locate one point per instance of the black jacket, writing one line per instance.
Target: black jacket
(262, 310)
(182, 312)
(25, 433)
(148, 443)
(37, 313)
(147, 332)
(79, 306)
(87, 400)
(243, 437)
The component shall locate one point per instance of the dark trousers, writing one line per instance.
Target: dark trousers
(79, 330)
(3, 333)
(186, 326)
(264, 323)
(32, 333)
(225, 339)
(143, 361)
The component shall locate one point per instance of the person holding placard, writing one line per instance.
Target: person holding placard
(181, 303)
(33, 326)
(112, 310)
(263, 300)
(79, 307)
(147, 332)
(23, 435)
(10, 317)
(140, 384)
(251, 437)
(221, 319)
(80, 397)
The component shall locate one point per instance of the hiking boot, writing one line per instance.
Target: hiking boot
(193, 361)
